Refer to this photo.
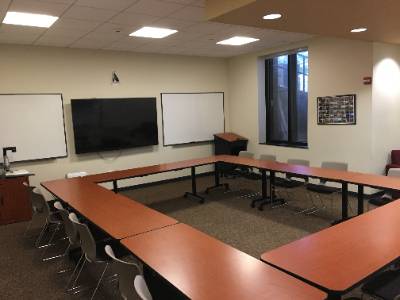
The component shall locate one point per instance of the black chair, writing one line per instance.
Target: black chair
(385, 285)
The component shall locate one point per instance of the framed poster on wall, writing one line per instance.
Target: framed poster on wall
(336, 110)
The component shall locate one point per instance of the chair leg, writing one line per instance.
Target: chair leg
(59, 267)
(41, 234)
(98, 283)
(51, 239)
(73, 273)
(74, 286)
(28, 227)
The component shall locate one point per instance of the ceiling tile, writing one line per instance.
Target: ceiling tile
(67, 23)
(89, 13)
(127, 44)
(90, 43)
(59, 1)
(173, 23)
(132, 19)
(65, 32)
(116, 5)
(190, 13)
(55, 40)
(154, 8)
(39, 7)
(199, 3)
(184, 2)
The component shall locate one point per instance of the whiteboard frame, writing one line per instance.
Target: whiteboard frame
(192, 93)
(65, 133)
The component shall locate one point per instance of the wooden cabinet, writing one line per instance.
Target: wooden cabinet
(15, 203)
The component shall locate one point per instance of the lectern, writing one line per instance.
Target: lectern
(231, 144)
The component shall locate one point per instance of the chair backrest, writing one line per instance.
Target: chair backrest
(333, 165)
(39, 203)
(301, 162)
(394, 172)
(395, 157)
(127, 272)
(88, 243)
(76, 174)
(268, 157)
(247, 154)
(37, 200)
(69, 226)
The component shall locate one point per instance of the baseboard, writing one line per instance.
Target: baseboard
(159, 182)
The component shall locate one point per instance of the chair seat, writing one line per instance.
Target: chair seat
(322, 189)
(252, 176)
(288, 183)
(385, 285)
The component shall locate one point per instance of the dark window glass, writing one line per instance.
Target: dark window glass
(286, 99)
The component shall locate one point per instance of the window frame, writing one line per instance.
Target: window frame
(292, 100)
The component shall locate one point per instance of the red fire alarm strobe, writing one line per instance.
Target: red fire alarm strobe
(367, 80)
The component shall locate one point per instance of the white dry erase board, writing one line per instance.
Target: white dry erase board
(34, 123)
(191, 117)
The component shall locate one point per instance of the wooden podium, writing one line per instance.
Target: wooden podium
(231, 144)
(15, 202)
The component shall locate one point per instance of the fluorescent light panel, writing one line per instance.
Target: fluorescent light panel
(28, 19)
(153, 32)
(357, 30)
(273, 16)
(238, 41)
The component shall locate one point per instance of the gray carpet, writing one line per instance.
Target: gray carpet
(225, 216)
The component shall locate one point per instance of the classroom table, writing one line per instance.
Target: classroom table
(202, 267)
(114, 176)
(341, 257)
(339, 176)
(117, 215)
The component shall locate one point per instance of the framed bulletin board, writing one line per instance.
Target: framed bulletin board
(336, 110)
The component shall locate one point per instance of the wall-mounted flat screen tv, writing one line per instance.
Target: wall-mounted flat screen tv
(112, 124)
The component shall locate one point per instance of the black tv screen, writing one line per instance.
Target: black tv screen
(111, 124)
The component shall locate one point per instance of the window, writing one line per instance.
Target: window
(286, 97)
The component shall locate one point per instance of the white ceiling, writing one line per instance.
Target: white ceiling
(106, 24)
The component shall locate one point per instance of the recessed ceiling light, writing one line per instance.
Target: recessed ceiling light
(28, 19)
(153, 32)
(238, 41)
(272, 16)
(356, 30)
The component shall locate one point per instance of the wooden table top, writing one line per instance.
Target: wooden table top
(372, 180)
(149, 170)
(202, 267)
(117, 215)
(341, 256)
(230, 137)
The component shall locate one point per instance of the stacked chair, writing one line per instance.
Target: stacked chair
(131, 283)
(316, 191)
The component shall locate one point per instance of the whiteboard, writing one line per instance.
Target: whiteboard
(192, 117)
(34, 123)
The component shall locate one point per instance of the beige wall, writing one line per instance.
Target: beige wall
(336, 66)
(87, 74)
(385, 104)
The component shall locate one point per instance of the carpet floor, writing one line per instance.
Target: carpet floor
(226, 216)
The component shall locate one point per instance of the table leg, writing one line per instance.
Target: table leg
(272, 198)
(360, 199)
(194, 187)
(345, 201)
(217, 183)
(264, 196)
(115, 186)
